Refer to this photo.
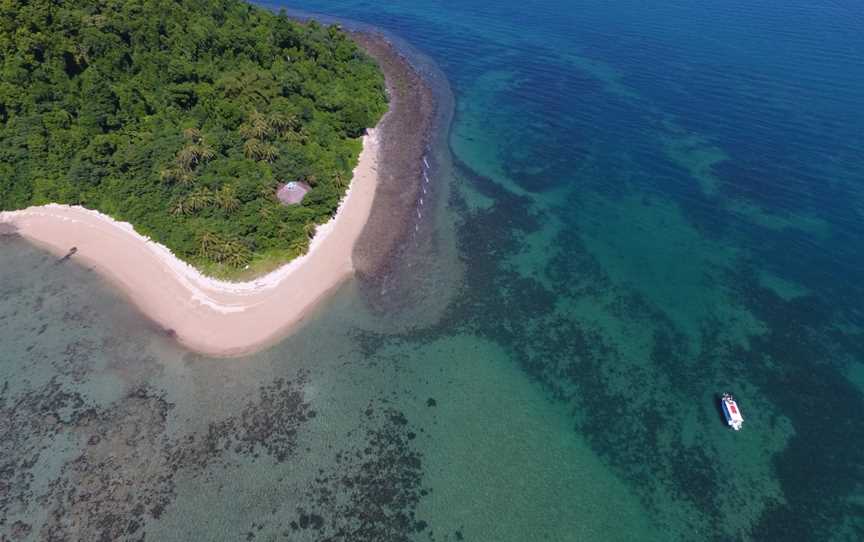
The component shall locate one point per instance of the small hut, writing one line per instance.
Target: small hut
(292, 193)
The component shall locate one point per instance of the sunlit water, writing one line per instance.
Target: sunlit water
(651, 203)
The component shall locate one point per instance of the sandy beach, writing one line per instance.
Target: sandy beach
(221, 318)
(206, 315)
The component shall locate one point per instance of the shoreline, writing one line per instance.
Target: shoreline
(208, 315)
(78, 214)
(228, 319)
(405, 133)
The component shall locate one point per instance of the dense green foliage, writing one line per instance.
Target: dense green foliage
(182, 117)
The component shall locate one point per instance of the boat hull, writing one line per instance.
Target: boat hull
(731, 412)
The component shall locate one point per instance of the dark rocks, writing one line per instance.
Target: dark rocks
(20, 530)
(309, 521)
(403, 135)
(104, 493)
(72, 252)
(376, 492)
(7, 229)
(124, 475)
(269, 424)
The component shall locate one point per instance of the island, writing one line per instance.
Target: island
(217, 161)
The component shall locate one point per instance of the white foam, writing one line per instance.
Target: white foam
(198, 283)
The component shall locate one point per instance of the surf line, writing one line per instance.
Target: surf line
(420, 202)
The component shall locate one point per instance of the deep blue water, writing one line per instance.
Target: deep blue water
(673, 195)
(651, 203)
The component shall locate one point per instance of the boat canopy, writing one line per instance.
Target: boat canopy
(732, 412)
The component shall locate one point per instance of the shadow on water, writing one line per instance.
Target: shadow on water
(718, 408)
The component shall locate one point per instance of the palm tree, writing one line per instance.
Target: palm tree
(176, 175)
(298, 135)
(186, 158)
(252, 148)
(235, 253)
(266, 212)
(226, 198)
(179, 208)
(237, 258)
(192, 155)
(255, 149)
(199, 199)
(339, 179)
(281, 122)
(81, 54)
(299, 246)
(255, 127)
(193, 135)
(309, 229)
(208, 242)
(234, 84)
(185, 178)
(205, 152)
(168, 175)
(269, 153)
(267, 192)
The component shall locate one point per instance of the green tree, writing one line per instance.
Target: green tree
(226, 198)
(143, 109)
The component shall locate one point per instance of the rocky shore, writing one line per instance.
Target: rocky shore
(403, 138)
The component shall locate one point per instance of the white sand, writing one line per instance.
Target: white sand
(210, 316)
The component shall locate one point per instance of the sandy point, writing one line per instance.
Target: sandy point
(210, 316)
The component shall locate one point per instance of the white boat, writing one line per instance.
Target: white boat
(732, 412)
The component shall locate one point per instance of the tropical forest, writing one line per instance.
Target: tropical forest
(183, 117)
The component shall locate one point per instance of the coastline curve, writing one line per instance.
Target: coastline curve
(207, 315)
(230, 319)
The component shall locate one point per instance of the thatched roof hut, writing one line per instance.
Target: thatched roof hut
(292, 193)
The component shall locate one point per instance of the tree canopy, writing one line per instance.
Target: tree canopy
(182, 117)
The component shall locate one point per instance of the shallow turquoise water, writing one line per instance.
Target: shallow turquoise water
(649, 205)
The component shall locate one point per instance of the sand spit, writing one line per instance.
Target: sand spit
(207, 315)
(221, 318)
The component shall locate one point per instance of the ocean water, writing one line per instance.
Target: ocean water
(639, 206)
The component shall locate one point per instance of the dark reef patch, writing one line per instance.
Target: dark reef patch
(269, 425)
(818, 470)
(123, 475)
(404, 135)
(26, 421)
(77, 359)
(122, 478)
(578, 365)
(369, 495)
(376, 492)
